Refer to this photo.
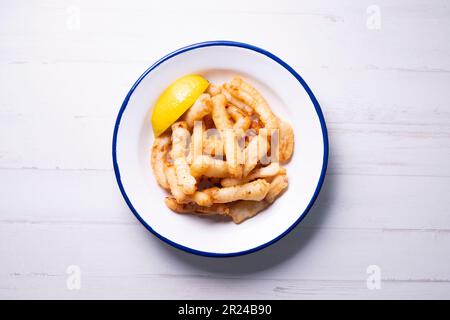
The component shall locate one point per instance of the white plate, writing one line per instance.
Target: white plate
(289, 97)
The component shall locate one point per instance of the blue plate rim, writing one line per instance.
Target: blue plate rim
(229, 44)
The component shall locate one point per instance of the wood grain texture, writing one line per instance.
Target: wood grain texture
(385, 200)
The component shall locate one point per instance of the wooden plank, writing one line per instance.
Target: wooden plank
(42, 286)
(335, 261)
(304, 36)
(389, 150)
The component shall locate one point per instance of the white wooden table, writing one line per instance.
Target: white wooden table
(381, 72)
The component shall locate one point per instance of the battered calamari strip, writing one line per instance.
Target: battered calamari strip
(213, 145)
(175, 189)
(237, 211)
(255, 151)
(196, 145)
(249, 95)
(209, 167)
(254, 191)
(220, 115)
(264, 172)
(199, 197)
(245, 92)
(213, 89)
(233, 153)
(256, 124)
(224, 124)
(236, 102)
(160, 149)
(241, 120)
(199, 109)
(286, 141)
(277, 186)
(243, 210)
(215, 209)
(180, 137)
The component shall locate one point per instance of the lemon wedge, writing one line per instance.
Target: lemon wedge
(175, 100)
